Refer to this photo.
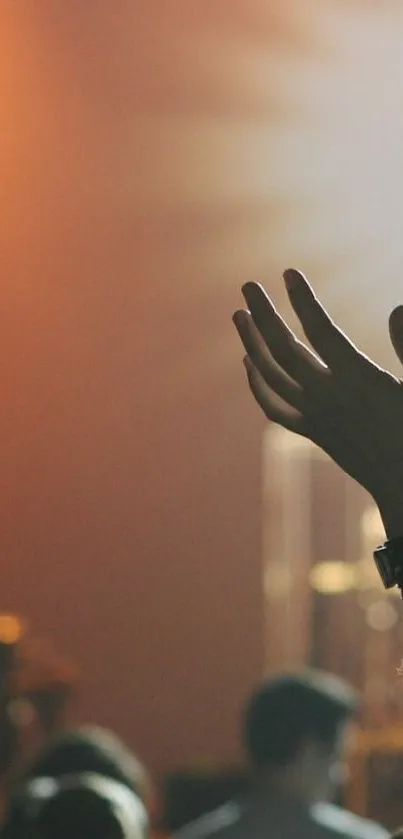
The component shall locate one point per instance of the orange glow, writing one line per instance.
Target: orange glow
(11, 629)
(154, 156)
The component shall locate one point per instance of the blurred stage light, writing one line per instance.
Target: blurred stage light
(333, 577)
(381, 616)
(11, 629)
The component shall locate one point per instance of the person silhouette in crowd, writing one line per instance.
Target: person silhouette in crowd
(87, 749)
(294, 730)
(91, 749)
(84, 806)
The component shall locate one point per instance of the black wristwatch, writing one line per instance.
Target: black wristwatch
(389, 562)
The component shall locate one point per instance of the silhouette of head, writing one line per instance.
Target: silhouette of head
(293, 731)
(81, 806)
(90, 749)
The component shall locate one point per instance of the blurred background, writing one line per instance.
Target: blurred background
(153, 156)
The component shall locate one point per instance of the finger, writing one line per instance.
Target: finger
(325, 337)
(396, 331)
(272, 374)
(272, 406)
(293, 357)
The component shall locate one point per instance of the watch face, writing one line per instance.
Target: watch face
(385, 568)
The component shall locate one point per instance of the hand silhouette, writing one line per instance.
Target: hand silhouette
(333, 394)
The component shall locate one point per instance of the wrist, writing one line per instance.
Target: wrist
(391, 513)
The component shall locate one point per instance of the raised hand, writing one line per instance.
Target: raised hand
(333, 395)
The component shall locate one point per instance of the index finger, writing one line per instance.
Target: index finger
(298, 361)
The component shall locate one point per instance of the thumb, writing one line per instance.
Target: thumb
(396, 331)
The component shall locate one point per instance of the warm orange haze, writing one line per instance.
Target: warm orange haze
(153, 156)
